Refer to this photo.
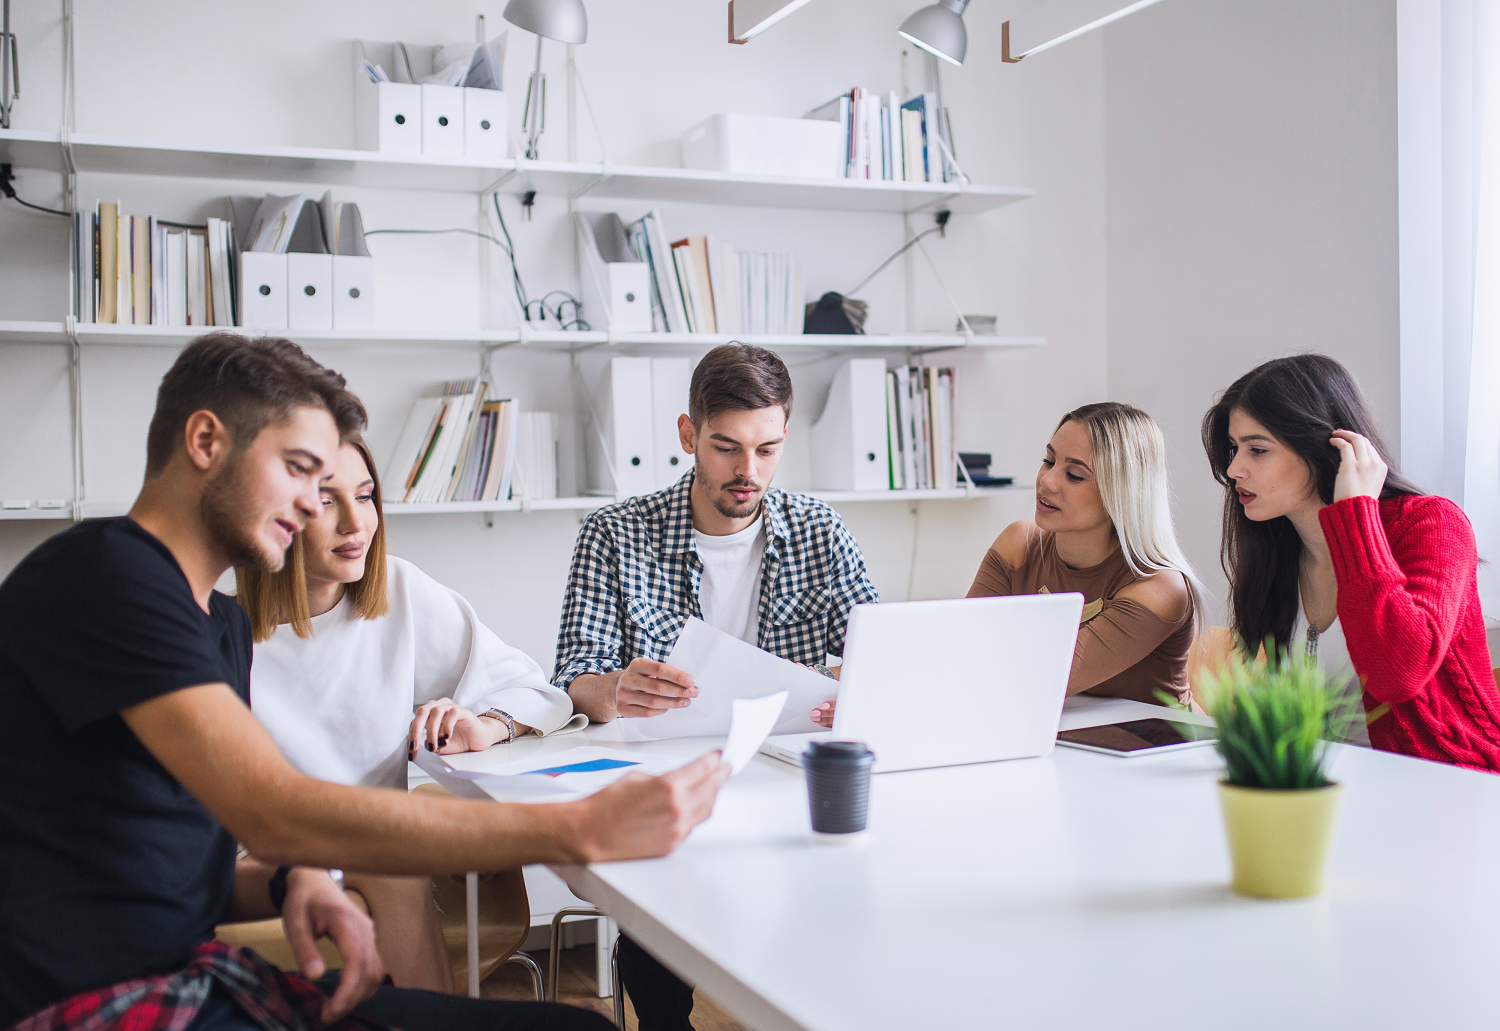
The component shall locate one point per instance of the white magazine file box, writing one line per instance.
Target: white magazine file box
(850, 448)
(670, 380)
(387, 115)
(486, 124)
(309, 291)
(263, 290)
(619, 446)
(353, 291)
(442, 121)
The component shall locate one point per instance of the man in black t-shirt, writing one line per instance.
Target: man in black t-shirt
(133, 763)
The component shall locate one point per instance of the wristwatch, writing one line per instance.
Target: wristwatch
(277, 885)
(505, 717)
(818, 667)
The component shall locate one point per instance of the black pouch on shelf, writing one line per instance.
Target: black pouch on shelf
(835, 313)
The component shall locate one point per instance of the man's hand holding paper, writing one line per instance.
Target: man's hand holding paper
(649, 688)
(721, 668)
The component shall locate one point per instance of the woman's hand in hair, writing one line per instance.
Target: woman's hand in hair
(1361, 469)
(444, 726)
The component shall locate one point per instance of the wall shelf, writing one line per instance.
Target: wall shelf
(553, 341)
(123, 155)
(97, 510)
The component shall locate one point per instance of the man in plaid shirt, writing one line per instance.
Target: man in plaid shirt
(777, 570)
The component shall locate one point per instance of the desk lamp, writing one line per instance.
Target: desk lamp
(562, 20)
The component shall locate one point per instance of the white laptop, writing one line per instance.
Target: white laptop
(943, 683)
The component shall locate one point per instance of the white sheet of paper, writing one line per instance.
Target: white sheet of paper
(519, 781)
(726, 668)
(749, 726)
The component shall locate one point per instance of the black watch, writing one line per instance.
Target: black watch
(277, 887)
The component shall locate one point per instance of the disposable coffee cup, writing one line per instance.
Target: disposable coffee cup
(838, 786)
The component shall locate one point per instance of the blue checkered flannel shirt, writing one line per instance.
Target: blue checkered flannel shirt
(636, 571)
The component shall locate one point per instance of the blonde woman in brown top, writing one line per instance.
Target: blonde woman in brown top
(1103, 528)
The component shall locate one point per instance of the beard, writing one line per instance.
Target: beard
(725, 503)
(222, 508)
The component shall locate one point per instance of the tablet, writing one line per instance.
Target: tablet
(1138, 737)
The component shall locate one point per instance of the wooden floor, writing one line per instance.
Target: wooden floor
(576, 987)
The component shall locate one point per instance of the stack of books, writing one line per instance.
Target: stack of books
(459, 446)
(536, 455)
(887, 139)
(700, 284)
(144, 271)
(920, 407)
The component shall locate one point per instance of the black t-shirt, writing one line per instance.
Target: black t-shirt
(109, 869)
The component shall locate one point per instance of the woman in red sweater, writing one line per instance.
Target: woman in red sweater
(1328, 547)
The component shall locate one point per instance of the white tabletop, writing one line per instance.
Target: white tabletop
(1076, 890)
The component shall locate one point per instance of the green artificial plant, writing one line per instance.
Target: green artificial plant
(1275, 719)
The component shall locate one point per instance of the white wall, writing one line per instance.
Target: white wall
(1251, 170)
(277, 73)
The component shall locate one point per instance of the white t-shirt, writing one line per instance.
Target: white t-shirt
(339, 704)
(1333, 659)
(729, 592)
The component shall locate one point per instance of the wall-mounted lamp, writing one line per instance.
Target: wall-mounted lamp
(563, 20)
(1058, 21)
(749, 18)
(939, 30)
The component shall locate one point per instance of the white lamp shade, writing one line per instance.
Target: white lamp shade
(563, 20)
(939, 29)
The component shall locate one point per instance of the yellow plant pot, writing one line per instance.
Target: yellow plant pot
(1278, 840)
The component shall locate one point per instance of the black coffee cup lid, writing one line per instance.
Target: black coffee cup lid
(837, 751)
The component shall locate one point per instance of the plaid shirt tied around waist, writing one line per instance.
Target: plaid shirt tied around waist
(168, 1002)
(636, 572)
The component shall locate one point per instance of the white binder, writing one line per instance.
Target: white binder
(442, 121)
(353, 291)
(309, 291)
(670, 379)
(486, 124)
(263, 290)
(387, 115)
(850, 449)
(616, 288)
(619, 444)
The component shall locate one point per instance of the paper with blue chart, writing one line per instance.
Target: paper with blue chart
(726, 668)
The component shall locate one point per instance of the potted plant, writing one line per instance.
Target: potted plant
(1275, 720)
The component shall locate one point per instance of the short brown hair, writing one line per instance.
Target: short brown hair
(248, 384)
(271, 599)
(738, 377)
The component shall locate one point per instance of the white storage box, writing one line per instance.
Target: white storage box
(761, 145)
(387, 115)
(309, 291)
(263, 290)
(442, 121)
(353, 291)
(486, 124)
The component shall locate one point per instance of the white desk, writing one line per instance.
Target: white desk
(1078, 890)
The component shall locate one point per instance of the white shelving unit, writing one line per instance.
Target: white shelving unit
(580, 504)
(84, 153)
(116, 154)
(176, 336)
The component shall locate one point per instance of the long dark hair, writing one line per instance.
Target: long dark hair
(1301, 400)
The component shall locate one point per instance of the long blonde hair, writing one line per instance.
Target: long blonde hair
(1130, 466)
(271, 599)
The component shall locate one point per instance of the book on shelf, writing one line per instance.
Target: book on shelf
(142, 270)
(888, 139)
(921, 405)
(536, 455)
(458, 446)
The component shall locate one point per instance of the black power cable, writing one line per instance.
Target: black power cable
(941, 227)
(7, 178)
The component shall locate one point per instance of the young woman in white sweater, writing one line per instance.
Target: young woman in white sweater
(362, 658)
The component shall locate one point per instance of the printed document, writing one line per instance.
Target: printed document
(726, 668)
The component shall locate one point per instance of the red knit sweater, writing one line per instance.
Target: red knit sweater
(1409, 605)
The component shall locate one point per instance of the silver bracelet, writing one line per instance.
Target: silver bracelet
(500, 714)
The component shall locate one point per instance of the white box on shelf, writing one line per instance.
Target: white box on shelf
(309, 291)
(17, 504)
(626, 301)
(762, 145)
(263, 290)
(486, 124)
(387, 115)
(619, 448)
(670, 380)
(353, 291)
(850, 449)
(442, 121)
